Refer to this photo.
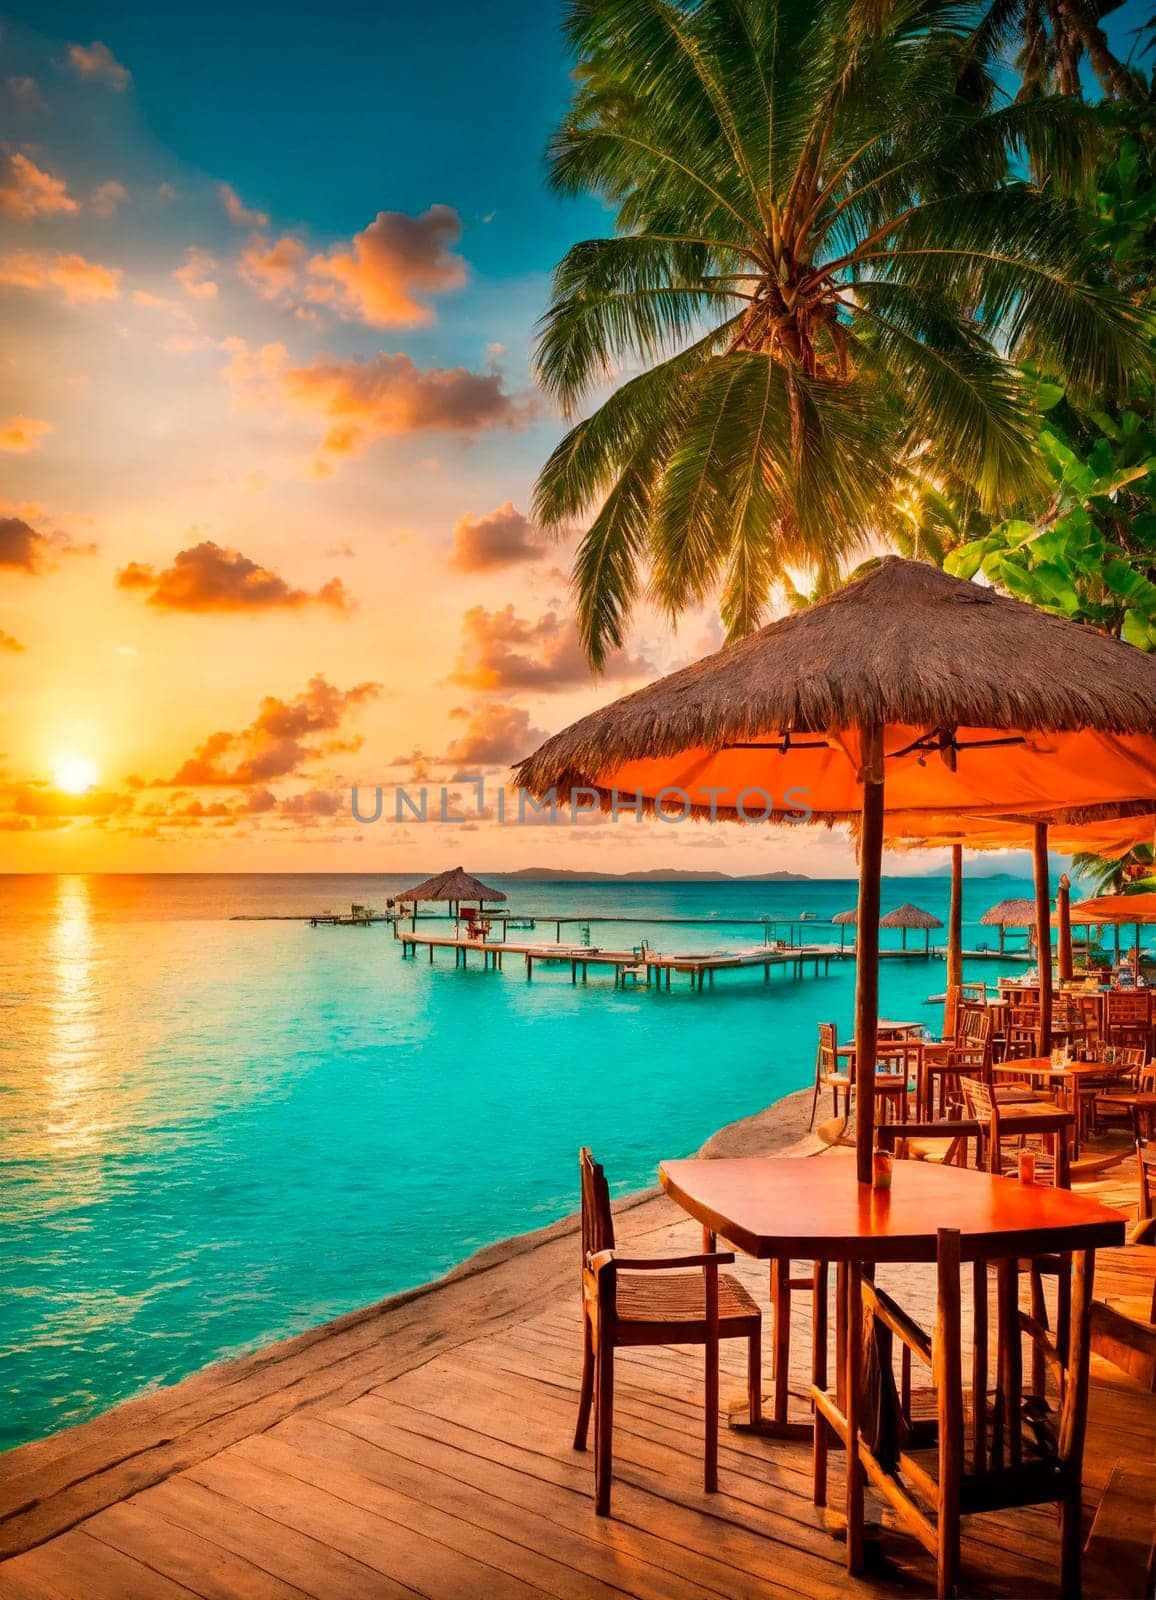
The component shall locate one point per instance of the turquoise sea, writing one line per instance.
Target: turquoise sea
(214, 1133)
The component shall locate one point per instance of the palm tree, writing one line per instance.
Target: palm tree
(1054, 38)
(822, 270)
(1133, 872)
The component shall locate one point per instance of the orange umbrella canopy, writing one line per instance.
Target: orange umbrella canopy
(907, 690)
(987, 705)
(1108, 837)
(1116, 908)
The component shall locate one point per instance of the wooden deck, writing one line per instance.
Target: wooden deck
(701, 965)
(423, 1448)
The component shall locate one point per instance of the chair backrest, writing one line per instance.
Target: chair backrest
(975, 1026)
(597, 1218)
(828, 1047)
(974, 991)
(1124, 1009)
(1024, 1019)
(977, 1099)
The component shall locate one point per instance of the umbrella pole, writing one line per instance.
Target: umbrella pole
(867, 949)
(1064, 918)
(954, 935)
(1043, 932)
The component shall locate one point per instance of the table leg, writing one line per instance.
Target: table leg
(853, 1316)
(819, 1379)
(1010, 1359)
(1074, 1419)
(779, 1424)
(979, 1366)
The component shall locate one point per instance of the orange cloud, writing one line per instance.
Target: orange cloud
(21, 547)
(194, 277)
(41, 800)
(26, 190)
(388, 395)
(106, 197)
(280, 740)
(502, 538)
(208, 578)
(96, 60)
(376, 278)
(9, 644)
(21, 434)
(502, 650)
(312, 803)
(361, 401)
(495, 736)
(272, 269)
(237, 209)
(77, 280)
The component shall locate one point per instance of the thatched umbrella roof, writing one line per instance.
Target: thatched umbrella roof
(455, 885)
(847, 918)
(971, 688)
(909, 916)
(1010, 914)
(908, 690)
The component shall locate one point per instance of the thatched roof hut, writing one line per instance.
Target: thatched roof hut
(949, 666)
(908, 916)
(455, 886)
(845, 918)
(906, 691)
(1010, 914)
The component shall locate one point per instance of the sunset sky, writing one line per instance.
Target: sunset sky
(268, 430)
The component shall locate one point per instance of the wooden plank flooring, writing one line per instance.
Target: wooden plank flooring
(423, 1448)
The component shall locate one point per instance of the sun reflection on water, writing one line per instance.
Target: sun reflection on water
(73, 1067)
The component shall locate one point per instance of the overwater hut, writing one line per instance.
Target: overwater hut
(844, 920)
(908, 916)
(455, 886)
(1011, 914)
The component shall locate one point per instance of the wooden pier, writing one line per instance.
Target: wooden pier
(651, 968)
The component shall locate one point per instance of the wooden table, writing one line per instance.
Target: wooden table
(782, 1209)
(885, 1030)
(1039, 1069)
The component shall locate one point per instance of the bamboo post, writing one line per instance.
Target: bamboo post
(1064, 938)
(867, 948)
(1043, 932)
(955, 921)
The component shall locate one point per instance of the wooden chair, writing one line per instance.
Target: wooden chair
(1128, 1018)
(970, 1054)
(898, 1065)
(629, 1301)
(830, 1072)
(939, 1461)
(1051, 1165)
(1127, 1075)
(1023, 1032)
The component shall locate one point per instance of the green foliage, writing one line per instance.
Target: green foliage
(1087, 550)
(835, 253)
(1091, 555)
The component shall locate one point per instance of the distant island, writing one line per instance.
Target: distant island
(654, 875)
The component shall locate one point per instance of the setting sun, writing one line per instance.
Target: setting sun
(75, 775)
